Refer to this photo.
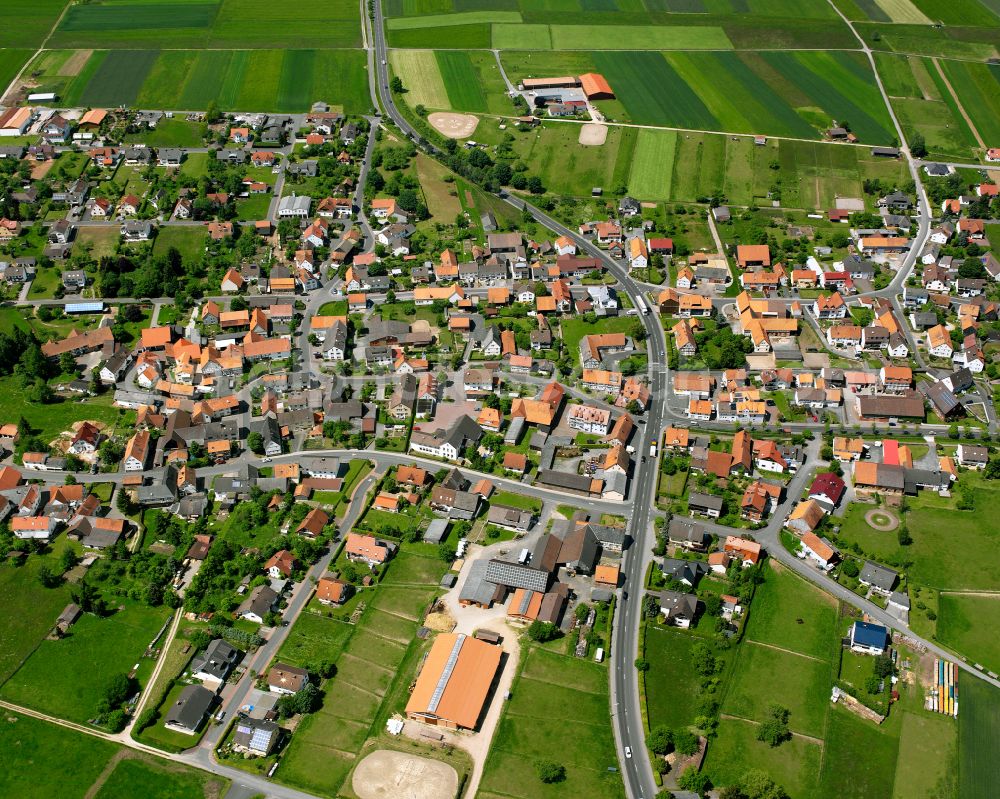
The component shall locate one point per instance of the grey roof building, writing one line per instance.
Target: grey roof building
(513, 518)
(188, 712)
(256, 736)
(477, 589)
(877, 577)
(215, 662)
(516, 575)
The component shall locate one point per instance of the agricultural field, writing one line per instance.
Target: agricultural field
(978, 90)
(36, 754)
(924, 104)
(978, 737)
(11, 62)
(264, 80)
(534, 726)
(28, 22)
(51, 679)
(452, 80)
(124, 24)
(796, 94)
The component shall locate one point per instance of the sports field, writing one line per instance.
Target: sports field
(248, 80)
(210, 23)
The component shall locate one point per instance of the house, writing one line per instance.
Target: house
(879, 579)
(687, 535)
(261, 601)
(284, 679)
(330, 591)
(215, 663)
(819, 550)
(705, 504)
(188, 711)
(827, 489)
(748, 552)
(258, 737)
(805, 517)
(869, 639)
(939, 342)
(366, 549)
(972, 457)
(679, 610)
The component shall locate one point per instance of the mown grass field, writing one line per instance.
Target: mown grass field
(188, 240)
(157, 779)
(534, 728)
(260, 80)
(671, 685)
(651, 174)
(928, 745)
(209, 23)
(66, 678)
(31, 613)
(967, 623)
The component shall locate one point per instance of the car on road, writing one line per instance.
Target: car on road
(265, 460)
(628, 751)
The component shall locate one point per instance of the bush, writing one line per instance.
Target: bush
(146, 719)
(542, 631)
(660, 740)
(549, 772)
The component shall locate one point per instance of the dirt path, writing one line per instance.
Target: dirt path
(102, 778)
(803, 736)
(958, 103)
(786, 651)
(151, 682)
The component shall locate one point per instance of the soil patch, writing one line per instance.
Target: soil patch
(385, 773)
(593, 135)
(882, 520)
(454, 126)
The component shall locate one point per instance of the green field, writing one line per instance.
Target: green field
(924, 104)
(978, 89)
(156, 780)
(28, 22)
(11, 62)
(575, 329)
(534, 728)
(53, 419)
(267, 80)
(967, 623)
(211, 24)
(31, 612)
(189, 241)
(920, 769)
(67, 677)
(935, 526)
(671, 684)
(652, 165)
(859, 758)
(978, 738)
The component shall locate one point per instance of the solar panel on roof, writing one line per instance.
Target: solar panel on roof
(449, 667)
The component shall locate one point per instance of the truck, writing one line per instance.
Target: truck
(652, 450)
(641, 305)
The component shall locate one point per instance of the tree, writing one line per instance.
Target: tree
(641, 664)
(992, 470)
(68, 559)
(755, 784)
(702, 657)
(396, 85)
(255, 441)
(305, 700)
(774, 730)
(117, 690)
(851, 568)
(542, 631)
(686, 742)
(549, 772)
(660, 739)
(47, 577)
(882, 666)
(918, 148)
(694, 780)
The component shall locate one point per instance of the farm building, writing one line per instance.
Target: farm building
(596, 87)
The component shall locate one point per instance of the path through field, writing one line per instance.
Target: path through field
(961, 108)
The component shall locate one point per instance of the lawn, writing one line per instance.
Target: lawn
(967, 623)
(935, 526)
(67, 677)
(978, 738)
(794, 765)
(790, 613)
(50, 420)
(188, 240)
(408, 568)
(31, 612)
(314, 638)
(533, 728)
(671, 683)
(804, 687)
(158, 780)
(99, 241)
(408, 603)
(513, 500)
(860, 758)
(652, 164)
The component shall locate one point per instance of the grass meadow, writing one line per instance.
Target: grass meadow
(967, 623)
(978, 738)
(188, 240)
(978, 89)
(67, 677)
(28, 22)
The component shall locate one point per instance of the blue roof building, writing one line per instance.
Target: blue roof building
(868, 638)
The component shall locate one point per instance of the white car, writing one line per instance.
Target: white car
(265, 460)
(628, 751)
